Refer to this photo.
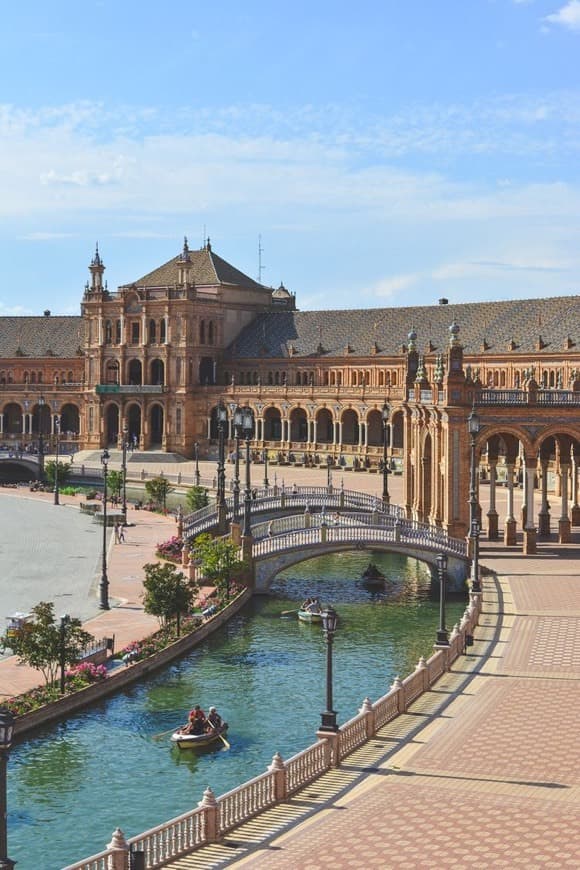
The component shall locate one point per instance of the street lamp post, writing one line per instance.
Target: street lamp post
(104, 584)
(328, 472)
(40, 438)
(222, 418)
(56, 456)
(473, 427)
(6, 734)
(64, 621)
(248, 431)
(124, 469)
(196, 454)
(386, 469)
(265, 458)
(442, 633)
(329, 623)
(238, 420)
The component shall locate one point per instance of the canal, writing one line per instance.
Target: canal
(72, 785)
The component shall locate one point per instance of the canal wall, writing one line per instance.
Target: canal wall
(124, 676)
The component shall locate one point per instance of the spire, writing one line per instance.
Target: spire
(96, 269)
(184, 256)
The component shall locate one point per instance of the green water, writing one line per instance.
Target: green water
(71, 786)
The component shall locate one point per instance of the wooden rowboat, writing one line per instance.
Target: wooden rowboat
(309, 616)
(198, 741)
(371, 576)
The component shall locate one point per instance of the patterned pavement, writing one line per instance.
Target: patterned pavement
(483, 771)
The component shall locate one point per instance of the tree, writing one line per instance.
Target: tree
(63, 472)
(114, 484)
(167, 593)
(45, 644)
(196, 497)
(158, 489)
(219, 560)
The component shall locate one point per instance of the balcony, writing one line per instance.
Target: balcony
(129, 389)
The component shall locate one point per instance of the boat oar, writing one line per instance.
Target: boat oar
(224, 741)
(286, 612)
(164, 733)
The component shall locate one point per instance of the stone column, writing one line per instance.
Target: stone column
(492, 517)
(564, 527)
(530, 529)
(509, 532)
(575, 512)
(544, 512)
(315, 431)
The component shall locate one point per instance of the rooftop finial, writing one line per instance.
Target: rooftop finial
(185, 253)
(97, 259)
(208, 245)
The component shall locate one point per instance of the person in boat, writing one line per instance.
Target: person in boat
(214, 722)
(197, 721)
(314, 606)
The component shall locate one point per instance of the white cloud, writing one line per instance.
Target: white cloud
(389, 287)
(568, 16)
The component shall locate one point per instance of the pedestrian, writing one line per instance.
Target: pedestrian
(117, 534)
(121, 535)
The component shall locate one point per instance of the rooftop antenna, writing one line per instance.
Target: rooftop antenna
(260, 266)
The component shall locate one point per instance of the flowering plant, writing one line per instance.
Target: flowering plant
(170, 550)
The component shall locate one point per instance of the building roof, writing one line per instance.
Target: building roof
(206, 267)
(520, 326)
(38, 337)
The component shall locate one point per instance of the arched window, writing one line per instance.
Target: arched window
(270, 379)
(202, 332)
(211, 333)
(108, 332)
(162, 331)
(118, 332)
(277, 379)
(152, 332)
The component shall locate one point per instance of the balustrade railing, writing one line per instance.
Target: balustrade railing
(215, 817)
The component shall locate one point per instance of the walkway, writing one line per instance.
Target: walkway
(126, 619)
(483, 770)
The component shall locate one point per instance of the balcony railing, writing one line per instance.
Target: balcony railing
(129, 389)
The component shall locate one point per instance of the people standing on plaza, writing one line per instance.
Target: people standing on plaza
(117, 530)
(121, 533)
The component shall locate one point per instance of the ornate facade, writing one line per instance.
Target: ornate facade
(158, 355)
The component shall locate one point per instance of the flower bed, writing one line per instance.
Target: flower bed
(78, 677)
(170, 550)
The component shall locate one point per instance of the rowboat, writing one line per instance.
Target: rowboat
(372, 576)
(309, 616)
(198, 741)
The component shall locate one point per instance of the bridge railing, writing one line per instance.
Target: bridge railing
(393, 530)
(214, 817)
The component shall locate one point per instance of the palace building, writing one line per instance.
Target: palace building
(157, 356)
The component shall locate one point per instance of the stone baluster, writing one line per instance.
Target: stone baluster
(209, 805)
(278, 768)
(370, 719)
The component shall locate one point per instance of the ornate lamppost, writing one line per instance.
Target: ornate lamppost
(265, 458)
(196, 455)
(56, 452)
(329, 623)
(6, 734)
(104, 584)
(41, 404)
(386, 469)
(442, 633)
(222, 419)
(124, 470)
(238, 421)
(247, 431)
(473, 427)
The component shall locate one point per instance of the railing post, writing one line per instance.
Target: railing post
(209, 805)
(119, 848)
(278, 768)
(422, 666)
(330, 738)
(370, 718)
(400, 690)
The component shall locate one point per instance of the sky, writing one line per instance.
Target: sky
(369, 154)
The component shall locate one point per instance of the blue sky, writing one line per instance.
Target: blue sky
(387, 152)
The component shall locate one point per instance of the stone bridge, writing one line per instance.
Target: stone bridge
(332, 521)
(26, 463)
(395, 535)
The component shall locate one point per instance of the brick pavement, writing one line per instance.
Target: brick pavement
(483, 771)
